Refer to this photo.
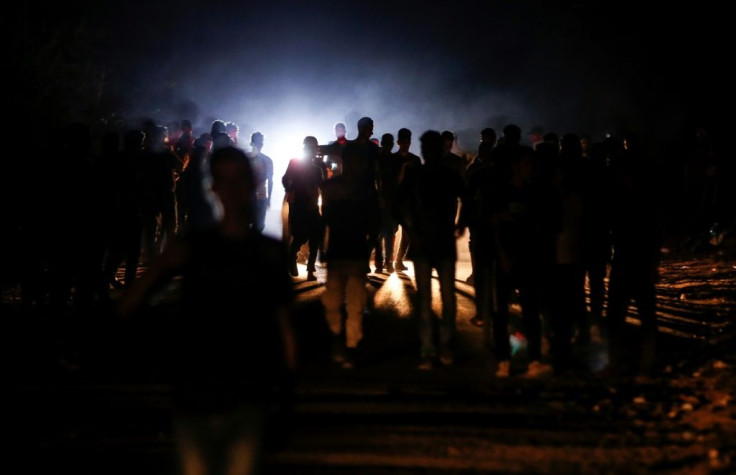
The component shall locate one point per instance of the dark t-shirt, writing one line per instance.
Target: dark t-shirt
(229, 346)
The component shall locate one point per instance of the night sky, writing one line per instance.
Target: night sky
(294, 68)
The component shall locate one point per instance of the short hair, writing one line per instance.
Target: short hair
(512, 133)
(488, 132)
(364, 122)
(254, 136)
(404, 134)
(432, 144)
(387, 138)
(449, 135)
(234, 154)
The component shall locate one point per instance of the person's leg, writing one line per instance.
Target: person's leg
(423, 278)
(446, 274)
(618, 304)
(501, 343)
(244, 441)
(356, 297)
(646, 295)
(333, 296)
(403, 249)
(529, 296)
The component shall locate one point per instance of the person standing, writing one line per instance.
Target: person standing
(408, 161)
(262, 166)
(235, 351)
(302, 182)
(346, 204)
(389, 168)
(431, 194)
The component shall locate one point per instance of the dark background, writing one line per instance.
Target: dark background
(295, 68)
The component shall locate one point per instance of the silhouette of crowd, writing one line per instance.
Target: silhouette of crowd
(569, 228)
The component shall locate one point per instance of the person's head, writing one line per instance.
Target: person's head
(432, 146)
(448, 139)
(186, 126)
(311, 146)
(232, 181)
(387, 142)
(340, 130)
(365, 128)
(536, 135)
(218, 126)
(404, 139)
(232, 130)
(512, 134)
(488, 135)
(570, 146)
(256, 140)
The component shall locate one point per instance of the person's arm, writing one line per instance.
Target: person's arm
(160, 272)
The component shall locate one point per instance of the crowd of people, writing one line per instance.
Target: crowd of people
(549, 221)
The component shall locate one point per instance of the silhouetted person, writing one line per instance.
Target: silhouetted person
(262, 166)
(235, 350)
(488, 141)
(346, 205)
(636, 232)
(566, 288)
(431, 195)
(452, 159)
(524, 246)
(365, 151)
(159, 168)
(389, 168)
(596, 229)
(333, 151)
(477, 213)
(126, 226)
(184, 149)
(408, 161)
(302, 182)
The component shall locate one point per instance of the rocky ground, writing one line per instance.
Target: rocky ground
(90, 397)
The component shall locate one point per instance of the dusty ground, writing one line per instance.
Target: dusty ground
(90, 397)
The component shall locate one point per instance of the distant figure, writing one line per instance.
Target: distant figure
(524, 229)
(452, 159)
(389, 168)
(333, 151)
(431, 194)
(488, 139)
(160, 171)
(262, 166)
(637, 234)
(184, 149)
(233, 131)
(483, 182)
(346, 205)
(302, 182)
(220, 136)
(235, 350)
(125, 245)
(365, 151)
(408, 161)
(536, 136)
